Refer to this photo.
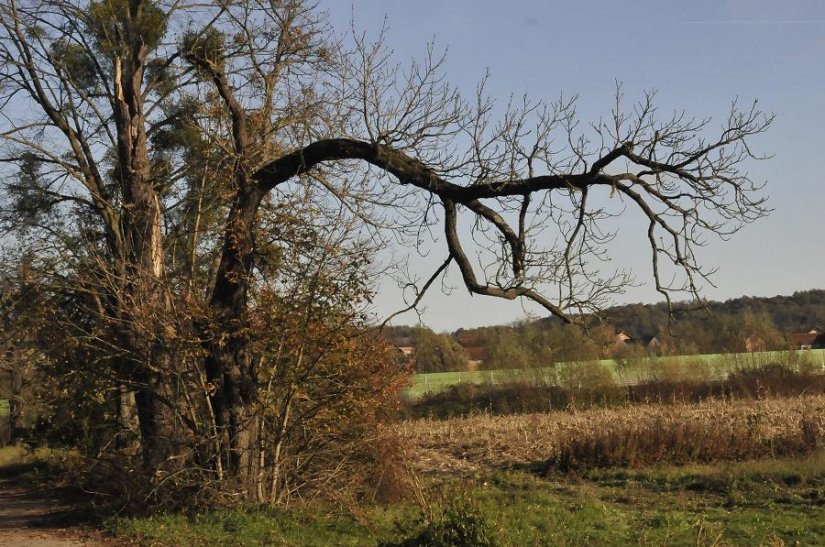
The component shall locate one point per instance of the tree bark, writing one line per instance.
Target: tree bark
(144, 305)
(16, 402)
(229, 367)
(127, 417)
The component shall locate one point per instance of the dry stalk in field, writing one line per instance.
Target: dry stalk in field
(628, 436)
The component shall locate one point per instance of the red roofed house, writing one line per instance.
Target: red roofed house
(813, 339)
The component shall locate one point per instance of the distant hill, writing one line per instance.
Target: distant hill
(633, 330)
(798, 312)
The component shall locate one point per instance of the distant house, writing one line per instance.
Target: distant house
(610, 340)
(468, 339)
(472, 349)
(813, 339)
(403, 341)
(475, 353)
(623, 337)
(404, 344)
(651, 342)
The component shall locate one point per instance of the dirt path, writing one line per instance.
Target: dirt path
(39, 518)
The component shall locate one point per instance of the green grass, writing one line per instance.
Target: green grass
(752, 503)
(626, 371)
(237, 527)
(768, 502)
(4, 407)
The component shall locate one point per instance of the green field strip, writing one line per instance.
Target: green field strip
(627, 372)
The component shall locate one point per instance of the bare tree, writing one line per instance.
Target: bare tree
(275, 104)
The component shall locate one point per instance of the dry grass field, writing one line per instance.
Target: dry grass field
(629, 436)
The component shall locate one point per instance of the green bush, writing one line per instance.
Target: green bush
(461, 524)
(585, 375)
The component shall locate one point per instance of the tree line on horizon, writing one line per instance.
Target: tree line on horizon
(732, 326)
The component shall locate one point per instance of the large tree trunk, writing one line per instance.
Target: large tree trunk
(16, 401)
(155, 441)
(229, 366)
(144, 304)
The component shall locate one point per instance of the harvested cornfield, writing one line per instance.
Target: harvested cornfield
(629, 436)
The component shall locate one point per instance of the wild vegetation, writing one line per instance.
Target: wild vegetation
(691, 468)
(195, 197)
(201, 228)
(588, 385)
(719, 472)
(771, 503)
(631, 436)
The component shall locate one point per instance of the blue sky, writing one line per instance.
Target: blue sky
(699, 56)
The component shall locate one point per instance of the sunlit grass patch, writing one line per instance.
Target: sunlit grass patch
(256, 526)
(737, 503)
(11, 455)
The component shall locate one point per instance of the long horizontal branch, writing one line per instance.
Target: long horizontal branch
(412, 171)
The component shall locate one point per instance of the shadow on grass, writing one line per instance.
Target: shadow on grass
(21, 470)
